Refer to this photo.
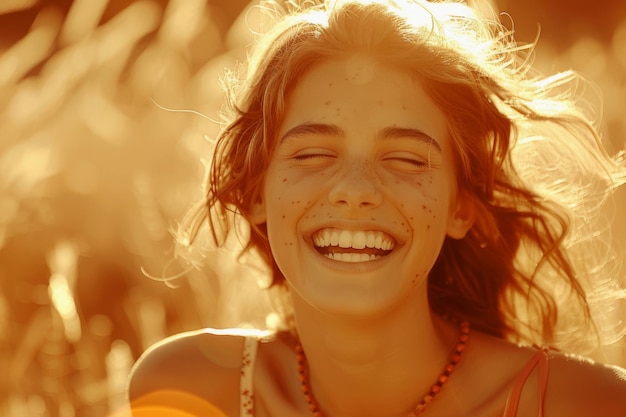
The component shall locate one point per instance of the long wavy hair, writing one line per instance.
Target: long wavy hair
(525, 153)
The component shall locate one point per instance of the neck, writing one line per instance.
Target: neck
(379, 365)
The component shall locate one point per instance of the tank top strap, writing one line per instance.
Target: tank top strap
(246, 388)
(539, 361)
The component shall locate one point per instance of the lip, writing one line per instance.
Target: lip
(367, 238)
(354, 227)
(352, 267)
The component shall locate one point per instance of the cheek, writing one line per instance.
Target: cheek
(286, 203)
(426, 204)
(296, 194)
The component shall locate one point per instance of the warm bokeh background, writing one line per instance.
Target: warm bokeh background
(94, 172)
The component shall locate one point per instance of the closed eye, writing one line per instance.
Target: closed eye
(313, 158)
(416, 162)
(310, 156)
(408, 164)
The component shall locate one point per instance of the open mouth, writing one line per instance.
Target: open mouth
(353, 246)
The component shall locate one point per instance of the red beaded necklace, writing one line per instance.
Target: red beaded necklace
(421, 406)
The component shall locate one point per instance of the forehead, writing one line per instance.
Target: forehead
(359, 93)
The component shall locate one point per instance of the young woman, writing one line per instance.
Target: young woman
(425, 204)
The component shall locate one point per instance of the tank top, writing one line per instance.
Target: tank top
(539, 361)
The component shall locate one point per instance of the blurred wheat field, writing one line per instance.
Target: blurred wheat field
(95, 170)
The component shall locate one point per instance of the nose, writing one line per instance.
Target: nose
(357, 186)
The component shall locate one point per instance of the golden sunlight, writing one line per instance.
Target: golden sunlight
(105, 111)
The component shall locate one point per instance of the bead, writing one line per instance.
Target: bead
(426, 400)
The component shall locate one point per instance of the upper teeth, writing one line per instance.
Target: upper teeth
(353, 239)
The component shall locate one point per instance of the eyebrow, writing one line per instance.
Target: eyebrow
(391, 132)
(313, 129)
(409, 133)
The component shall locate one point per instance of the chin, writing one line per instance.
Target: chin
(355, 303)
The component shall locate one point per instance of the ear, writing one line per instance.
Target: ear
(463, 216)
(257, 212)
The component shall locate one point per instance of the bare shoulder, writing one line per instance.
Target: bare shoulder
(197, 372)
(576, 386)
(580, 387)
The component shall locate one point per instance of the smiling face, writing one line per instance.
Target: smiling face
(360, 192)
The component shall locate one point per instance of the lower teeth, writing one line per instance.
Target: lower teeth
(352, 257)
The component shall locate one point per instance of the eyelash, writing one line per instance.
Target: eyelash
(417, 163)
(309, 156)
(411, 161)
